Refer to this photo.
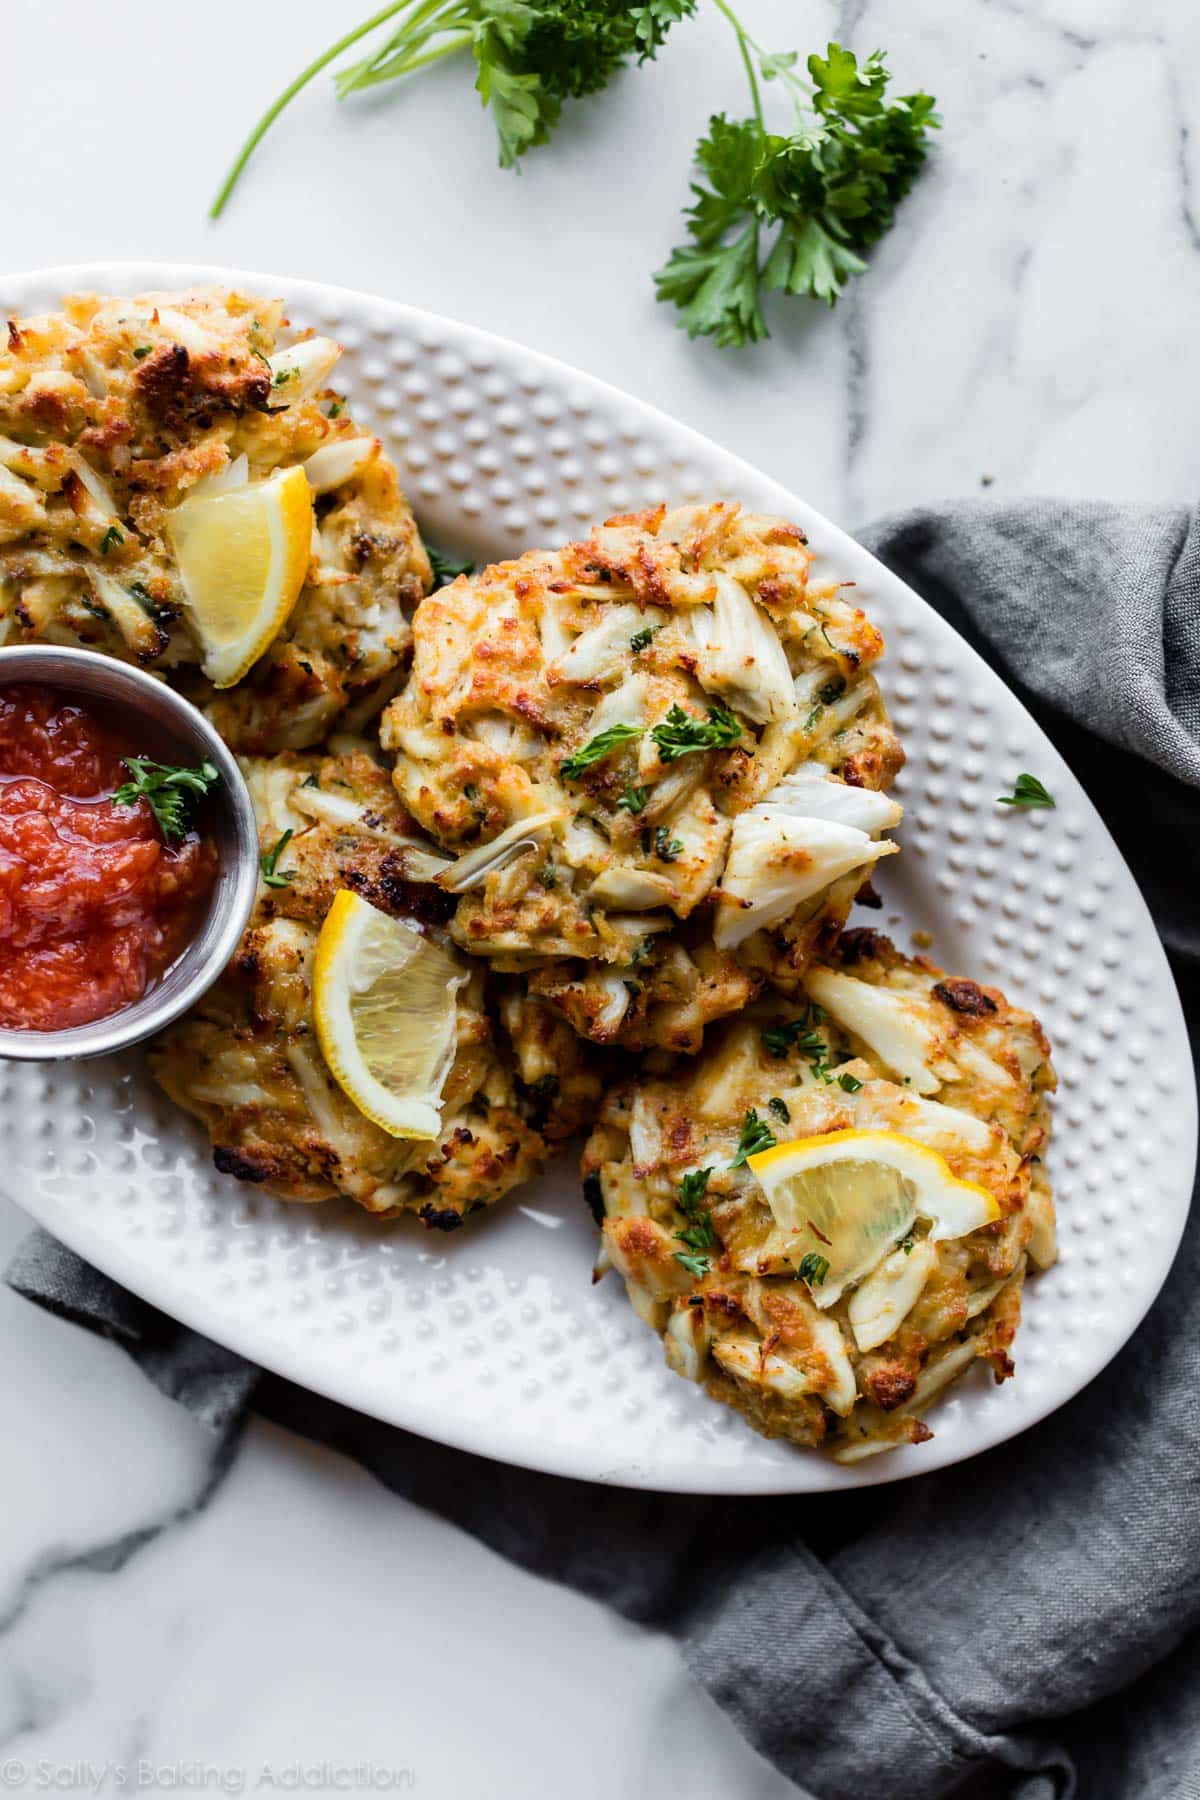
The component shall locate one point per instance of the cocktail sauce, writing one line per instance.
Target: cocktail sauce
(94, 904)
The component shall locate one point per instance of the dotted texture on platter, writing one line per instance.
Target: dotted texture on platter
(495, 1339)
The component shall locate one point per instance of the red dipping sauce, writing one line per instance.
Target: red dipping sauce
(94, 906)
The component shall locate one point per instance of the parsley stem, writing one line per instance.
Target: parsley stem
(289, 94)
(744, 46)
(458, 40)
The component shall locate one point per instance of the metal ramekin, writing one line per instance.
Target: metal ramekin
(173, 723)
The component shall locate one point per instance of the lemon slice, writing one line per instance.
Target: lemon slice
(383, 1001)
(243, 554)
(845, 1199)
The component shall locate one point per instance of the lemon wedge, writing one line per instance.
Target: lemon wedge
(841, 1202)
(383, 1001)
(243, 554)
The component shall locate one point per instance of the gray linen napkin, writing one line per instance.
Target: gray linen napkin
(1027, 1624)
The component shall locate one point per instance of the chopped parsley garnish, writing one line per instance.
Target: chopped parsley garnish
(833, 690)
(756, 1135)
(850, 1084)
(111, 539)
(445, 568)
(167, 791)
(801, 1034)
(597, 749)
(906, 1246)
(666, 848)
(633, 799)
(268, 862)
(640, 639)
(780, 1109)
(692, 1189)
(813, 1268)
(1028, 791)
(141, 350)
(548, 875)
(698, 1235)
(282, 375)
(642, 951)
(334, 413)
(681, 732)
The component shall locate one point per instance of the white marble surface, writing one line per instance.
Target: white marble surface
(1031, 320)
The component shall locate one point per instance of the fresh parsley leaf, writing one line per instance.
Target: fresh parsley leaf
(693, 1188)
(141, 350)
(642, 951)
(597, 749)
(832, 691)
(813, 1268)
(113, 537)
(699, 1235)
(268, 862)
(640, 639)
(695, 1265)
(633, 799)
(801, 1034)
(167, 791)
(1027, 791)
(780, 1109)
(850, 1084)
(445, 568)
(666, 848)
(756, 1135)
(907, 1246)
(681, 732)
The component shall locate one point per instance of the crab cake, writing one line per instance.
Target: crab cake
(746, 1302)
(114, 411)
(658, 756)
(246, 1061)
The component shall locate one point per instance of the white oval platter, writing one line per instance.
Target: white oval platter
(495, 1340)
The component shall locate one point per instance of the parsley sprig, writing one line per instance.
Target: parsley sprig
(698, 1234)
(1027, 791)
(529, 59)
(273, 876)
(680, 732)
(596, 749)
(756, 1135)
(168, 791)
(793, 213)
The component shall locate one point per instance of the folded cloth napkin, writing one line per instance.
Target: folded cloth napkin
(1025, 1624)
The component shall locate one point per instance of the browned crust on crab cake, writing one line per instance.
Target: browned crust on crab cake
(620, 893)
(110, 412)
(734, 1313)
(246, 1061)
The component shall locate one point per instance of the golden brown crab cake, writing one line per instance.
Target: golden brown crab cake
(658, 756)
(881, 1043)
(246, 1060)
(112, 411)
